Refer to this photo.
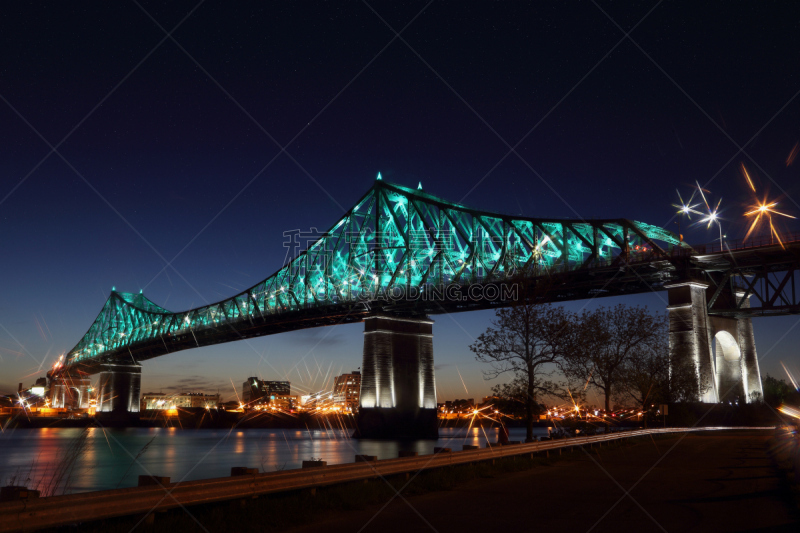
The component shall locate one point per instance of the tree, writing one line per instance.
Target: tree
(777, 392)
(645, 372)
(606, 339)
(526, 340)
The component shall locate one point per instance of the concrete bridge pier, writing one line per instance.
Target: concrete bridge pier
(751, 374)
(722, 348)
(398, 392)
(738, 378)
(689, 335)
(724, 338)
(118, 393)
(70, 391)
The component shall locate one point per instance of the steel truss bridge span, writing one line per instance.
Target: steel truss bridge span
(394, 245)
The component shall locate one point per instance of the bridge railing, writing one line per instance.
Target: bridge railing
(741, 244)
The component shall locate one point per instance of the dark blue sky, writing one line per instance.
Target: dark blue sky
(167, 145)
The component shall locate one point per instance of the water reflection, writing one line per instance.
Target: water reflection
(113, 458)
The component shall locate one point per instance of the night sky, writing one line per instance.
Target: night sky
(172, 149)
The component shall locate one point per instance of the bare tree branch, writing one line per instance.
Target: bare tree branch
(528, 340)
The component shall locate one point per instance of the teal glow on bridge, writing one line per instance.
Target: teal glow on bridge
(395, 238)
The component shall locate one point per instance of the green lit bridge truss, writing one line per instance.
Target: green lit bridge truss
(394, 245)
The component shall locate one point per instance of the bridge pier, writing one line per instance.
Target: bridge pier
(722, 348)
(751, 374)
(70, 390)
(689, 335)
(724, 337)
(118, 393)
(398, 392)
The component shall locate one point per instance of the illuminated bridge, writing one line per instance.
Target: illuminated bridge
(400, 255)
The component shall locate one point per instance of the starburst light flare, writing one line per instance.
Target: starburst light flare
(763, 210)
(747, 177)
(712, 215)
(686, 208)
(793, 154)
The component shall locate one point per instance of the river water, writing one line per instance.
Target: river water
(69, 460)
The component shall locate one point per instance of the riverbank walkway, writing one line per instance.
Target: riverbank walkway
(704, 481)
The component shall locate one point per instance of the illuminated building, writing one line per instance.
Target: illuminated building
(316, 401)
(277, 388)
(347, 390)
(159, 400)
(257, 391)
(284, 402)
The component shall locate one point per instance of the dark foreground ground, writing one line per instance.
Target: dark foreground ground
(704, 482)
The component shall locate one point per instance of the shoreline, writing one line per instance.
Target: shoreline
(692, 480)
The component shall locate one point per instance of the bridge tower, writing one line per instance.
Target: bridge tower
(398, 392)
(721, 348)
(118, 393)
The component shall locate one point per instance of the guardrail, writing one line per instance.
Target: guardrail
(741, 244)
(29, 515)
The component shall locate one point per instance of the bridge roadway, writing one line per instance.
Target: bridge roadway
(92, 506)
(767, 272)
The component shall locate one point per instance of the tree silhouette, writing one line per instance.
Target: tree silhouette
(530, 341)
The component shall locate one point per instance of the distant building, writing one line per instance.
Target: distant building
(316, 400)
(253, 390)
(152, 400)
(159, 400)
(256, 391)
(347, 391)
(284, 402)
(277, 388)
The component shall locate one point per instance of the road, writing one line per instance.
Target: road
(699, 482)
